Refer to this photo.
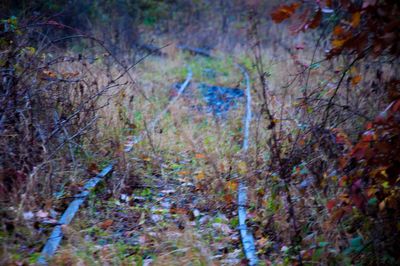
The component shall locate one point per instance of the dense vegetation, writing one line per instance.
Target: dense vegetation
(80, 78)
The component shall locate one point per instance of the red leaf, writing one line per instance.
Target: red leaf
(343, 180)
(314, 23)
(359, 150)
(331, 204)
(356, 79)
(343, 162)
(368, 126)
(356, 187)
(341, 137)
(107, 223)
(200, 156)
(358, 200)
(228, 198)
(368, 136)
(396, 106)
(337, 215)
(284, 12)
(381, 118)
(93, 169)
(338, 31)
(177, 210)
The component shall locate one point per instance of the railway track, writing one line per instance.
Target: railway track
(57, 235)
(247, 239)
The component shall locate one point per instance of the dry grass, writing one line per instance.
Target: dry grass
(205, 148)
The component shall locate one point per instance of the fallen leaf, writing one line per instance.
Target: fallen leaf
(200, 175)
(338, 30)
(368, 136)
(68, 75)
(106, 224)
(199, 156)
(314, 23)
(231, 185)
(175, 210)
(331, 204)
(49, 74)
(228, 198)
(382, 205)
(93, 169)
(183, 172)
(355, 19)
(262, 241)
(355, 80)
(242, 167)
(337, 43)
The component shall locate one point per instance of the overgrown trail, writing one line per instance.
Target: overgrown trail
(155, 132)
(181, 206)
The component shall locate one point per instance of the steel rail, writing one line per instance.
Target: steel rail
(248, 242)
(56, 236)
(247, 238)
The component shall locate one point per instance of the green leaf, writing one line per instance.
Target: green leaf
(176, 166)
(357, 244)
(315, 65)
(234, 222)
(146, 192)
(372, 201)
(317, 254)
(304, 171)
(323, 244)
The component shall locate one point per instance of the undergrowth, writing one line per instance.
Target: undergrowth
(322, 166)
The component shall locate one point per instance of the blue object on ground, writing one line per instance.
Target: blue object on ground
(220, 99)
